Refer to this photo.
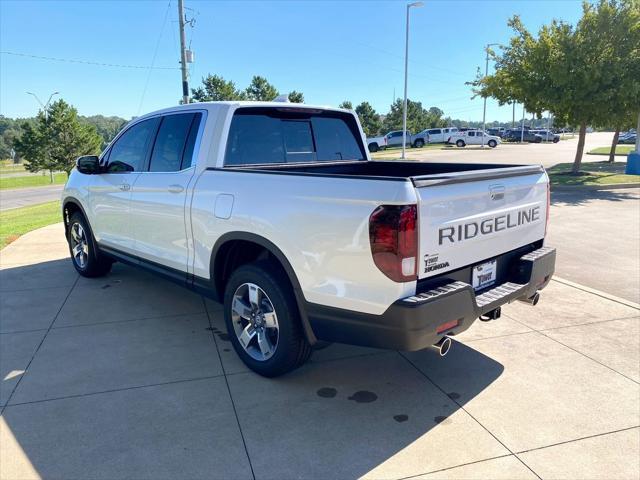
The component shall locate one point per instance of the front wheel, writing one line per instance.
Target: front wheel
(373, 147)
(419, 143)
(86, 258)
(492, 143)
(263, 321)
(460, 143)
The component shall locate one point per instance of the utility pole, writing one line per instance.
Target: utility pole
(513, 115)
(522, 131)
(183, 54)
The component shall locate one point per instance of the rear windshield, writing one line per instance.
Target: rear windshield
(292, 135)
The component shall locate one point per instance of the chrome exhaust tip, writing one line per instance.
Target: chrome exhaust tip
(533, 301)
(443, 346)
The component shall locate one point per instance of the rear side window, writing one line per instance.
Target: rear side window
(174, 143)
(268, 136)
(129, 152)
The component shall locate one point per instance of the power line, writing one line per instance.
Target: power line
(84, 62)
(153, 59)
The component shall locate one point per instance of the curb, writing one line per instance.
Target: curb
(599, 293)
(606, 154)
(614, 186)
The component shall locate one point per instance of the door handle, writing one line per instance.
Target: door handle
(175, 188)
(125, 187)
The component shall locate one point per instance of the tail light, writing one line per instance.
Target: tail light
(394, 241)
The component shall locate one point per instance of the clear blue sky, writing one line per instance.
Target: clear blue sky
(329, 50)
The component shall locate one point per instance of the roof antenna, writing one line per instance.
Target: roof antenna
(284, 98)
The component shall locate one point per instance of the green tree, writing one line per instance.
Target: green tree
(346, 105)
(417, 117)
(260, 90)
(296, 97)
(57, 139)
(214, 88)
(369, 119)
(107, 127)
(574, 72)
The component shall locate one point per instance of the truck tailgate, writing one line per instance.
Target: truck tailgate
(469, 217)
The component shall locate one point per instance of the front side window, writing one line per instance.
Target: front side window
(472, 134)
(268, 136)
(129, 152)
(171, 142)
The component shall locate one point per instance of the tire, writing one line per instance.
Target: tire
(252, 293)
(556, 140)
(538, 140)
(85, 256)
(460, 143)
(419, 143)
(373, 147)
(492, 143)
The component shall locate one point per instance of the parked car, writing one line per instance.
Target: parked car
(629, 138)
(439, 135)
(420, 139)
(377, 143)
(517, 135)
(280, 215)
(394, 139)
(498, 132)
(474, 137)
(547, 135)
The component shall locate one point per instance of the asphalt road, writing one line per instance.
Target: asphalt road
(597, 236)
(22, 197)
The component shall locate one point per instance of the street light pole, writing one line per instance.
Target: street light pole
(45, 109)
(406, 69)
(45, 106)
(484, 108)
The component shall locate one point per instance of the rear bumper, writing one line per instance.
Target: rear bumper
(411, 323)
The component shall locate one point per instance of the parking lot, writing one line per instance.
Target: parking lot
(129, 376)
(547, 154)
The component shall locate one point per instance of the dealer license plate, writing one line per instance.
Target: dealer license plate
(484, 275)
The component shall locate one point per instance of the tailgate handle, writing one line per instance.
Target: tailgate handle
(496, 192)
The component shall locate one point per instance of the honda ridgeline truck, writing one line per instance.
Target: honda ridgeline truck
(276, 211)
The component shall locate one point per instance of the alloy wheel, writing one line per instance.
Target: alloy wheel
(79, 245)
(255, 322)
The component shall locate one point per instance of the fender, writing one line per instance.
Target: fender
(277, 253)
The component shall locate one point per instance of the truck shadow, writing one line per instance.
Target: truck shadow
(348, 413)
(583, 196)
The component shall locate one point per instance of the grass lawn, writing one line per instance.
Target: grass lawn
(11, 168)
(592, 173)
(394, 152)
(620, 150)
(18, 221)
(32, 181)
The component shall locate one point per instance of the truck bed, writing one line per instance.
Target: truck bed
(422, 173)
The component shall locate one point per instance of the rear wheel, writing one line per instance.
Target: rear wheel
(263, 321)
(460, 143)
(373, 147)
(492, 143)
(86, 258)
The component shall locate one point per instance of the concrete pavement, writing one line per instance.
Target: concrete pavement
(597, 234)
(129, 376)
(22, 197)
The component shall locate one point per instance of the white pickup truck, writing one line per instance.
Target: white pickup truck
(277, 211)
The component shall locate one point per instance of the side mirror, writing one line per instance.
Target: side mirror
(88, 164)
